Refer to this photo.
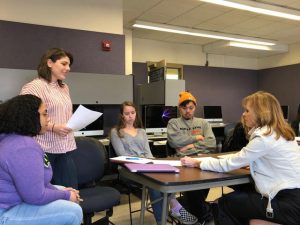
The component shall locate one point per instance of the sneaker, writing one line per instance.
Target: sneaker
(184, 217)
(198, 223)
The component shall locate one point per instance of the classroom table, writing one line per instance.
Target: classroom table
(188, 179)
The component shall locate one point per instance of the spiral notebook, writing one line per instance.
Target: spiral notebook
(151, 168)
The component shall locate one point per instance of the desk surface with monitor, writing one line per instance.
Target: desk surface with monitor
(156, 117)
(213, 114)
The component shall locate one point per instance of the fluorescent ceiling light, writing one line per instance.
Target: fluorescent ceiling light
(251, 46)
(274, 48)
(201, 33)
(223, 47)
(258, 7)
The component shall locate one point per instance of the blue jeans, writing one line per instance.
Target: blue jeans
(59, 212)
(157, 206)
(64, 170)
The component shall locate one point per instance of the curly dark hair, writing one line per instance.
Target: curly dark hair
(20, 115)
(54, 54)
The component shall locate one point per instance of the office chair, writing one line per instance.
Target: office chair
(89, 159)
(170, 151)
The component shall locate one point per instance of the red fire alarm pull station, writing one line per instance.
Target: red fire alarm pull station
(106, 45)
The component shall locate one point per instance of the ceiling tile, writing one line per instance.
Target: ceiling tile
(200, 15)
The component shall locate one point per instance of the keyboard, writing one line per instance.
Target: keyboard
(217, 124)
(153, 137)
(160, 142)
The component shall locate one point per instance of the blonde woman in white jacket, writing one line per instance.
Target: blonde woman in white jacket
(274, 159)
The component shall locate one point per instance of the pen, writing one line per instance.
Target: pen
(132, 158)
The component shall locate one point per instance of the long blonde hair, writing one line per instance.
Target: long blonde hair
(268, 113)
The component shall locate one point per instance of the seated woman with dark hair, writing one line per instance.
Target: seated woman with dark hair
(26, 195)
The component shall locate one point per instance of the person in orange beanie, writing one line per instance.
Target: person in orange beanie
(189, 135)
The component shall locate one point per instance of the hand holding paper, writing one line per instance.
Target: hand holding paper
(82, 117)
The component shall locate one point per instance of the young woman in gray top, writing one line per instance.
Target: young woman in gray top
(130, 139)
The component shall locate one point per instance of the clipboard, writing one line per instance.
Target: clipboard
(151, 168)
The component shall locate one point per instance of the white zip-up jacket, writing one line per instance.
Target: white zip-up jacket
(274, 163)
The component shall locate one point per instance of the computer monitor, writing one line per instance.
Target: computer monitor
(95, 128)
(156, 117)
(213, 113)
(285, 111)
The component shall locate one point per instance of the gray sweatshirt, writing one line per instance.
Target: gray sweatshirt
(183, 132)
(131, 145)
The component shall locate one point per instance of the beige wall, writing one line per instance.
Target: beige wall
(148, 50)
(128, 51)
(290, 58)
(92, 15)
(107, 16)
(187, 54)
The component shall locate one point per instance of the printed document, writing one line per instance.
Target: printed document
(130, 159)
(82, 117)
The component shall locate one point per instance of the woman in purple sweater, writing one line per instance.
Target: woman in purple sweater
(26, 195)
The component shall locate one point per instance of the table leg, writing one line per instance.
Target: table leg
(143, 205)
(164, 209)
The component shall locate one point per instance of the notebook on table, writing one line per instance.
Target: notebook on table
(151, 168)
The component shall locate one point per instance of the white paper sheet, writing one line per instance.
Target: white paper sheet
(174, 162)
(133, 159)
(82, 117)
(169, 162)
(130, 159)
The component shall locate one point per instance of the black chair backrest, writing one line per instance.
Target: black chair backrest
(90, 159)
(112, 167)
(237, 140)
(169, 150)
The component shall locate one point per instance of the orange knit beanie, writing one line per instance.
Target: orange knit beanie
(184, 95)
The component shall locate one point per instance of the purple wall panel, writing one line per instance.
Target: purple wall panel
(23, 44)
(283, 82)
(88, 53)
(213, 86)
(220, 86)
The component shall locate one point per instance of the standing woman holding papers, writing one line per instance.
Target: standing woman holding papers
(274, 159)
(59, 140)
(130, 139)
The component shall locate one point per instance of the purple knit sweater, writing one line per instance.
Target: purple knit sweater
(23, 175)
